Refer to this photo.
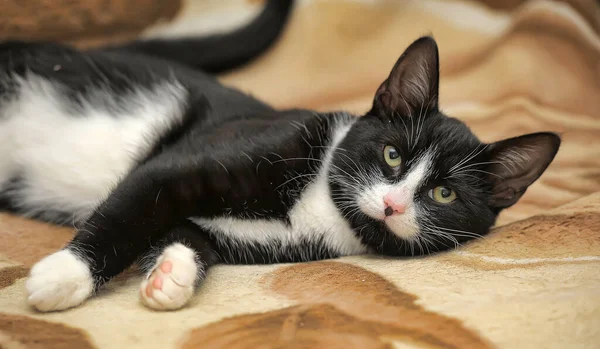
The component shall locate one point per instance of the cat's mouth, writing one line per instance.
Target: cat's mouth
(401, 221)
(403, 225)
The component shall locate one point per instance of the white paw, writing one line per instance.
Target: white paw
(170, 283)
(59, 281)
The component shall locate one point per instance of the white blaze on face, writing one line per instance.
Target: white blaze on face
(372, 200)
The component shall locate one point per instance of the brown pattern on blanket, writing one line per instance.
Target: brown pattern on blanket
(82, 22)
(9, 275)
(18, 332)
(26, 242)
(342, 306)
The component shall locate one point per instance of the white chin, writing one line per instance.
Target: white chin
(403, 226)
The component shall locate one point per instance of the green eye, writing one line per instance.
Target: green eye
(443, 195)
(392, 156)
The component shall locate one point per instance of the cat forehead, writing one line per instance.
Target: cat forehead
(447, 136)
(450, 142)
(444, 141)
(450, 138)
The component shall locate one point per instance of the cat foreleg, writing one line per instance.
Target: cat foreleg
(137, 214)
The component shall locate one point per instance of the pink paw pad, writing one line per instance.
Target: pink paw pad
(157, 282)
(166, 266)
(170, 284)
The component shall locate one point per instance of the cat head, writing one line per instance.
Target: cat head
(411, 180)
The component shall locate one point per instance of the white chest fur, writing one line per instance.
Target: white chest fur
(313, 218)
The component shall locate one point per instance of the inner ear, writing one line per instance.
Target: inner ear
(412, 86)
(515, 163)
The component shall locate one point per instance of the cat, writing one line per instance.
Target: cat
(165, 167)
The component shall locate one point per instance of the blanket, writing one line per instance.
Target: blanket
(507, 68)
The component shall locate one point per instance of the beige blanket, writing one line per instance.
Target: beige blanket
(507, 68)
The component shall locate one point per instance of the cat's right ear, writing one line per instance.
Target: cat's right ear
(412, 86)
(516, 163)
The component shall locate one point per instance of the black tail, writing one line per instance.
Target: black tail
(219, 53)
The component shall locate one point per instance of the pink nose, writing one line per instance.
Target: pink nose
(392, 206)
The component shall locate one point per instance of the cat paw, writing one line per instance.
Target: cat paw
(170, 283)
(59, 281)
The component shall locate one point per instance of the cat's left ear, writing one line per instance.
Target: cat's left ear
(515, 163)
(412, 86)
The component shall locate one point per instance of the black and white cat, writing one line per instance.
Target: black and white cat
(163, 166)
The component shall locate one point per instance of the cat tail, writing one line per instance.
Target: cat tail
(222, 52)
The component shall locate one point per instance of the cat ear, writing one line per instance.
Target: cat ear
(516, 163)
(412, 86)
